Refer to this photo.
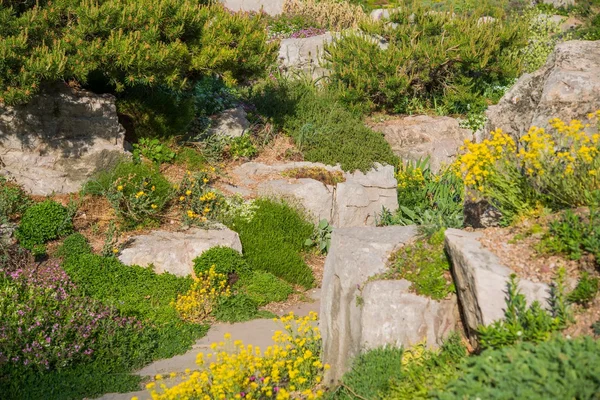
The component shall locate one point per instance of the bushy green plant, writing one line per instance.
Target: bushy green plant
(137, 192)
(153, 150)
(225, 259)
(191, 158)
(585, 291)
(74, 245)
(429, 55)
(264, 287)
(520, 323)
(321, 238)
(425, 264)
(431, 200)
(13, 201)
(43, 222)
(199, 202)
(544, 33)
(169, 44)
(557, 369)
(273, 241)
(242, 147)
(237, 308)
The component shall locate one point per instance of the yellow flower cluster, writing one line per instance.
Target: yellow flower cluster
(198, 201)
(479, 159)
(537, 146)
(290, 369)
(410, 177)
(197, 304)
(415, 354)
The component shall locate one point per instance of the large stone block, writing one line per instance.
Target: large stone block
(59, 139)
(174, 252)
(481, 281)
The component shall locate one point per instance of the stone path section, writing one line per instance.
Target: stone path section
(258, 332)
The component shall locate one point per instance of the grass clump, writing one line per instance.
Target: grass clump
(585, 291)
(557, 369)
(264, 288)
(238, 308)
(225, 260)
(74, 245)
(43, 222)
(425, 264)
(274, 239)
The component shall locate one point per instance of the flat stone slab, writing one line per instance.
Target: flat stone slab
(481, 281)
(174, 252)
(270, 7)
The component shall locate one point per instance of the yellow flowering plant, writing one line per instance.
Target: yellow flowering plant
(197, 304)
(290, 369)
(199, 202)
(555, 168)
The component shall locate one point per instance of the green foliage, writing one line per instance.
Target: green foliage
(43, 222)
(137, 192)
(238, 308)
(585, 291)
(521, 323)
(264, 288)
(544, 33)
(321, 238)
(153, 150)
(273, 241)
(169, 44)
(371, 374)
(430, 55)
(74, 245)
(225, 259)
(191, 158)
(574, 235)
(425, 264)
(431, 200)
(242, 147)
(596, 328)
(557, 369)
(13, 201)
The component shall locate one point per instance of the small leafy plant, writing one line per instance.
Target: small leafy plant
(43, 222)
(242, 147)
(585, 291)
(153, 150)
(13, 201)
(321, 238)
(198, 201)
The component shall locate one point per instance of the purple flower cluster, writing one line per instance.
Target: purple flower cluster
(45, 324)
(307, 32)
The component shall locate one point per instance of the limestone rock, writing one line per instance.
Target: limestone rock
(59, 139)
(417, 137)
(304, 54)
(392, 315)
(315, 197)
(174, 252)
(270, 7)
(355, 255)
(231, 123)
(559, 3)
(481, 280)
(360, 199)
(480, 214)
(566, 87)
(7, 231)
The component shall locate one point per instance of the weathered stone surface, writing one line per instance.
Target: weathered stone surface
(485, 20)
(392, 315)
(315, 197)
(249, 172)
(360, 199)
(270, 7)
(174, 252)
(481, 281)
(232, 123)
(566, 87)
(59, 139)
(7, 231)
(304, 54)
(559, 3)
(355, 255)
(417, 137)
(480, 214)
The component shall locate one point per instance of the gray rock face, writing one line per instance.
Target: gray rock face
(232, 123)
(174, 252)
(566, 87)
(7, 231)
(392, 315)
(59, 139)
(270, 7)
(480, 214)
(388, 315)
(356, 202)
(417, 137)
(481, 281)
(304, 54)
(559, 3)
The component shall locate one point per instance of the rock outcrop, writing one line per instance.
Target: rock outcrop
(481, 281)
(566, 87)
(304, 54)
(355, 202)
(270, 7)
(230, 123)
(417, 137)
(59, 139)
(358, 315)
(174, 252)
